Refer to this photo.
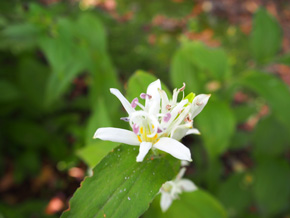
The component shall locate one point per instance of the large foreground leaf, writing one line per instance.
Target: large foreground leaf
(121, 187)
(197, 204)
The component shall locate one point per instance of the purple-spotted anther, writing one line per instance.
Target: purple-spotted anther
(159, 124)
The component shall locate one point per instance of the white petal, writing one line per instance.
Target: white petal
(143, 150)
(192, 131)
(173, 147)
(165, 201)
(117, 135)
(126, 104)
(186, 185)
(179, 132)
(152, 105)
(198, 104)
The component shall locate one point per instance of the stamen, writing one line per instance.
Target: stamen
(168, 107)
(126, 119)
(141, 130)
(155, 137)
(144, 95)
(139, 139)
(182, 88)
(159, 130)
(152, 126)
(134, 103)
(167, 117)
(135, 128)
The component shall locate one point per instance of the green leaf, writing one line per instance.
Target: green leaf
(120, 186)
(217, 124)
(276, 93)
(93, 153)
(264, 144)
(197, 204)
(285, 59)
(139, 82)
(195, 64)
(266, 36)
(8, 91)
(234, 193)
(271, 186)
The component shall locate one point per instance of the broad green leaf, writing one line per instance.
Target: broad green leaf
(194, 64)
(120, 186)
(139, 82)
(234, 193)
(266, 36)
(8, 91)
(271, 186)
(273, 90)
(217, 124)
(197, 204)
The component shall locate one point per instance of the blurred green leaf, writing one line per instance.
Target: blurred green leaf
(264, 144)
(234, 193)
(271, 186)
(120, 186)
(93, 153)
(139, 82)
(9, 91)
(197, 204)
(19, 37)
(276, 93)
(217, 124)
(194, 64)
(285, 59)
(266, 36)
(29, 208)
(33, 90)
(65, 59)
(27, 133)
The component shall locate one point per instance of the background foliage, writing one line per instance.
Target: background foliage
(59, 59)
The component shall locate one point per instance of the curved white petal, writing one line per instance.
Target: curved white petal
(165, 201)
(152, 105)
(186, 185)
(117, 135)
(193, 131)
(143, 150)
(198, 104)
(126, 104)
(173, 147)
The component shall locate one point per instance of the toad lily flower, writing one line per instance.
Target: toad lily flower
(160, 124)
(171, 189)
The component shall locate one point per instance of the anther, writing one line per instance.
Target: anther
(182, 88)
(134, 103)
(167, 117)
(144, 95)
(126, 119)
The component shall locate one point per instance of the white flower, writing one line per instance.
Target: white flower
(160, 124)
(171, 189)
